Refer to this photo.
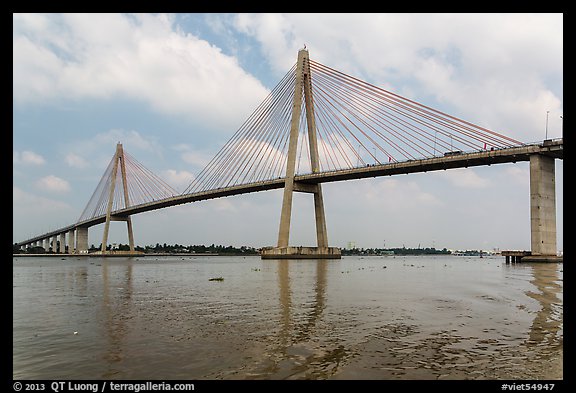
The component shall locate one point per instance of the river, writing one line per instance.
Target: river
(425, 317)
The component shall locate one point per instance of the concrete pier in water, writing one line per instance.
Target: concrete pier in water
(300, 253)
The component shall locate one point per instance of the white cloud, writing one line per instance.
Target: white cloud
(197, 159)
(400, 193)
(98, 150)
(277, 34)
(53, 184)
(224, 205)
(35, 214)
(130, 138)
(500, 71)
(464, 178)
(75, 161)
(142, 57)
(387, 194)
(31, 203)
(517, 174)
(178, 179)
(27, 158)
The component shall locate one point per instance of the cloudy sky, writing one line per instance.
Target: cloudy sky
(174, 88)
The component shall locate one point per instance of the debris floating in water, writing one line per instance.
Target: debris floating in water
(217, 279)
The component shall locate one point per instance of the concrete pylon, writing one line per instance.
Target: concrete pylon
(118, 160)
(81, 240)
(62, 240)
(302, 87)
(542, 205)
(71, 242)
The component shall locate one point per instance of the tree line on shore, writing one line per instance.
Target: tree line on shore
(157, 248)
(231, 250)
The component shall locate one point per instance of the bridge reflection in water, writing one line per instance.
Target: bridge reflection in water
(546, 337)
(372, 318)
(292, 357)
(116, 309)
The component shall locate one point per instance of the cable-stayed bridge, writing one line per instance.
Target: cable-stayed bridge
(319, 125)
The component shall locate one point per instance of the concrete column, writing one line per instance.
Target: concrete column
(126, 197)
(286, 215)
(82, 240)
(71, 241)
(55, 243)
(321, 232)
(130, 233)
(542, 205)
(62, 248)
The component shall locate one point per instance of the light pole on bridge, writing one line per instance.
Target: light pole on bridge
(546, 137)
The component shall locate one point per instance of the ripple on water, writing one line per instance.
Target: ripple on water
(383, 318)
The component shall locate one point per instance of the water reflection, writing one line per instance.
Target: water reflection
(78, 281)
(299, 353)
(546, 332)
(116, 304)
(544, 341)
(292, 332)
(547, 323)
(317, 319)
(285, 303)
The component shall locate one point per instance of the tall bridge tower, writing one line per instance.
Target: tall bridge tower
(319, 125)
(302, 90)
(118, 161)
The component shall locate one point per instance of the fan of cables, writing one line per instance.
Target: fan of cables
(142, 186)
(357, 124)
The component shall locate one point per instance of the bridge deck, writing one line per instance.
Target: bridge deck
(462, 160)
(553, 148)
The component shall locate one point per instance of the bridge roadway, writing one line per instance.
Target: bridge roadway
(553, 148)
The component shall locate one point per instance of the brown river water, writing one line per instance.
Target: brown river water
(151, 318)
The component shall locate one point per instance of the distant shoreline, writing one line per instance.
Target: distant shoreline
(179, 254)
(160, 254)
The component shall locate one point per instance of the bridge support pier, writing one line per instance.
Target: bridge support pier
(302, 87)
(62, 246)
(542, 209)
(129, 227)
(55, 243)
(71, 241)
(82, 240)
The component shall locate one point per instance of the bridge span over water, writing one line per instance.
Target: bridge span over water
(317, 126)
